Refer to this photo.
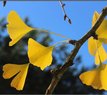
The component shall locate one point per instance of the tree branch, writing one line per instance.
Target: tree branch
(65, 15)
(69, 61)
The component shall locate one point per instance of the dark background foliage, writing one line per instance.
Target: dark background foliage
(37, 81)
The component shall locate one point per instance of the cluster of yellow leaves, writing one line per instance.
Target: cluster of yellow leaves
(38, 54)
(97, 77)
(41, 56)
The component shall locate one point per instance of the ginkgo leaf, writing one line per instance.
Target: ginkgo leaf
(93, 45)
(95, 17)
(16, 27)
(39, 55)
(103, 35)
(103, 40)
(96, 49)
(96, 78)
(9, 70)
(100, 55)
(102, 30)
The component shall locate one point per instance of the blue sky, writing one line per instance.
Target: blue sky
(49, 16)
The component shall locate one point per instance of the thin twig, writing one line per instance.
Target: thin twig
(4, 3)
(63, 9)
(69, 61)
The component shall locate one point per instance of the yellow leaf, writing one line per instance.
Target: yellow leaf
(16, 27)
(39, 55)
(102, 30)
(95, 17)
(96, 49)
(93, 45)
(100, 55)
(103, 40)
(96, 78)
(9, 70)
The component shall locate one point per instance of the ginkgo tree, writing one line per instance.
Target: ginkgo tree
(41, 56)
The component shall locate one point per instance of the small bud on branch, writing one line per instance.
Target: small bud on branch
(65, 15)
(4, 3)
